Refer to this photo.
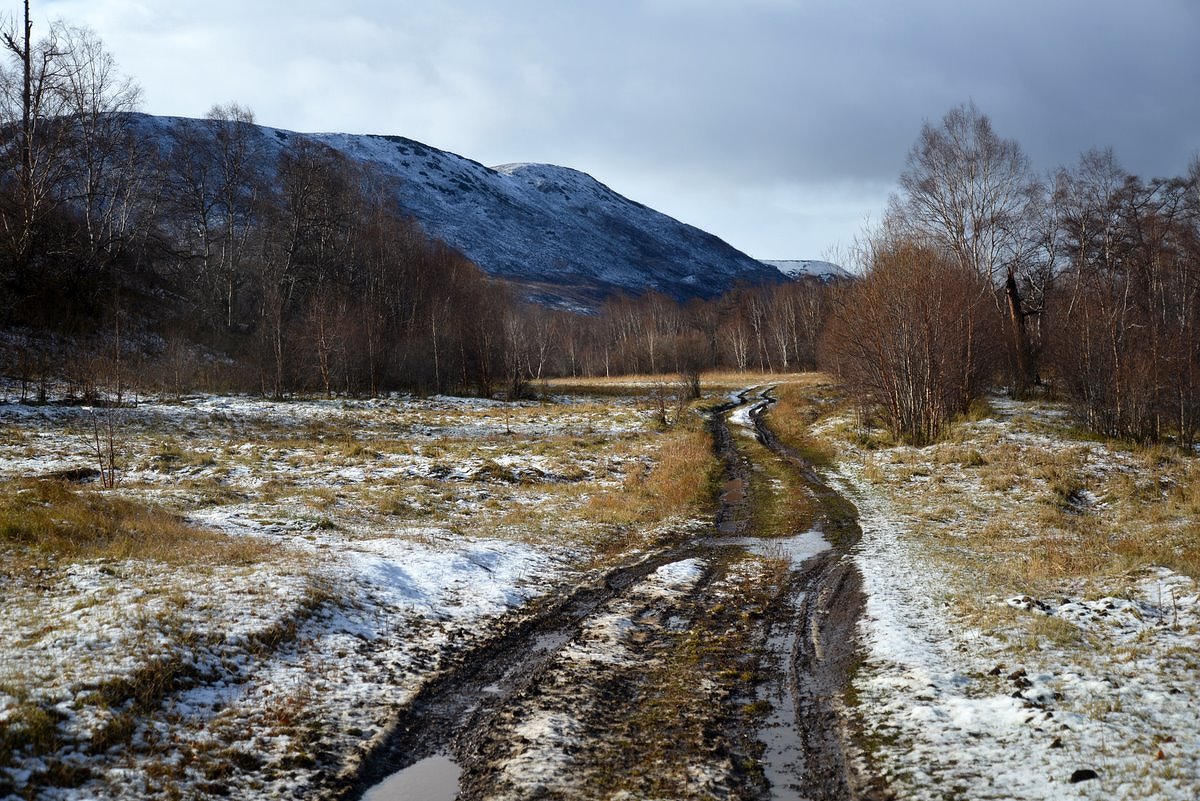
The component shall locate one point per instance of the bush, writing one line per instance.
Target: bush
(915, 339)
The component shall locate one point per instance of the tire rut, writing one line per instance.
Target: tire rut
(468, 693)
(825, 652)
(473, 709)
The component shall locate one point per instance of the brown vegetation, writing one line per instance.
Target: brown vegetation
(1129, 351)
(913, 339)
(56, 520)
(680, 482)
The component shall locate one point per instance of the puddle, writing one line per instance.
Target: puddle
(434, 778)
(797, 549)
(550, 641)
(733, 495)
(783, 758)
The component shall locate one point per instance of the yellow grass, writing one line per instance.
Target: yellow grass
(1014, 513)
(54, 519)
(802, 400)
(681, 482)
(726, 379)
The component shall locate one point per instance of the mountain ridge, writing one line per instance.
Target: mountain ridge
(560, 235)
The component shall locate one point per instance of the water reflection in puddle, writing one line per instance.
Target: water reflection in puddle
(796, 549)
(434, 778)
(783, 758)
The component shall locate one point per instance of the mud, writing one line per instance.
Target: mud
(830, 602)
(701, 670)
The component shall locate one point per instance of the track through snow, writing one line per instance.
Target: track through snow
(707, 668)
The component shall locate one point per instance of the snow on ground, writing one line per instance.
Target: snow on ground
(1076, 688)
(743, 415)
(394, 530)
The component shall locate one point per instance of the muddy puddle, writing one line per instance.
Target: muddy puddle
(784, 759)
(434, 778)
(796, 549)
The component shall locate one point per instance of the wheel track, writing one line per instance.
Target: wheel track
(471, 695)
(826, 652)
(469, 692)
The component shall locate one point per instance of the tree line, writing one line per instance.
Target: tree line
(1084, 282)
(203, 260)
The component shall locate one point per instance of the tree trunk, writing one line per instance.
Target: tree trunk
(1024, 373)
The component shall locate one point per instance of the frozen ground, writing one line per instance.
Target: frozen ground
(1030, 616)
(391, 533)
(1019, 641)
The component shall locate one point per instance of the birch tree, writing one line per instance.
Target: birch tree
(971, 192)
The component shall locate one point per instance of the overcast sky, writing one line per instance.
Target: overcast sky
(779, 125)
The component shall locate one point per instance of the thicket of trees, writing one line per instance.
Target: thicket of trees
(1128, 299)
(914, 339)
(202, 261)
(984, 272)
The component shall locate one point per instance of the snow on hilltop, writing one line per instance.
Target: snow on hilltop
(562, 236)
(800, 268)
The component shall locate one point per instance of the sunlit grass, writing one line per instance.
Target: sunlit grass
(1027, 506)
(55, 520)
(679, 482)
(802, 400)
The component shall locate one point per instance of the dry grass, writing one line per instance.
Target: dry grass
(681, 481)
(781, 501)
(1026, 506)
(802, 400)
(639, 383)
(56, 520)
(28, 725)
(169, 455)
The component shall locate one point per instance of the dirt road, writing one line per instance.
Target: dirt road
(708, 668)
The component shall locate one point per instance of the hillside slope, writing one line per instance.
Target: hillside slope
(560, 235)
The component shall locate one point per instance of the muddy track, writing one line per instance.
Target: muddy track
(469, 692)
(824, 656)
(475, 708)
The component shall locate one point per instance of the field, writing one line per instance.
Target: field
(265, 588)
(269, 581)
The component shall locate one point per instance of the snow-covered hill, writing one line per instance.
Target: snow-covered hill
(560, 235)
(809, 268)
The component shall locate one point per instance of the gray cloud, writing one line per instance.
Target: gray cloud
(777, 124)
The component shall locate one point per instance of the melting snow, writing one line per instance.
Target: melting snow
(955, 711)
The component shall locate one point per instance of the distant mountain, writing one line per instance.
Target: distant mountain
(809, 268)
(561, 236)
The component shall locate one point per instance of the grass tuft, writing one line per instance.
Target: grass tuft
(54, 519)
(681, 481)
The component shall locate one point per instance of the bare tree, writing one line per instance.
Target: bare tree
(217, 178)
(109, 161)
(908, 338)
(1129, 353)
(33, 100)
(971, 192)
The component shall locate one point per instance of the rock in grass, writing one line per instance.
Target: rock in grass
(1083, 775)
